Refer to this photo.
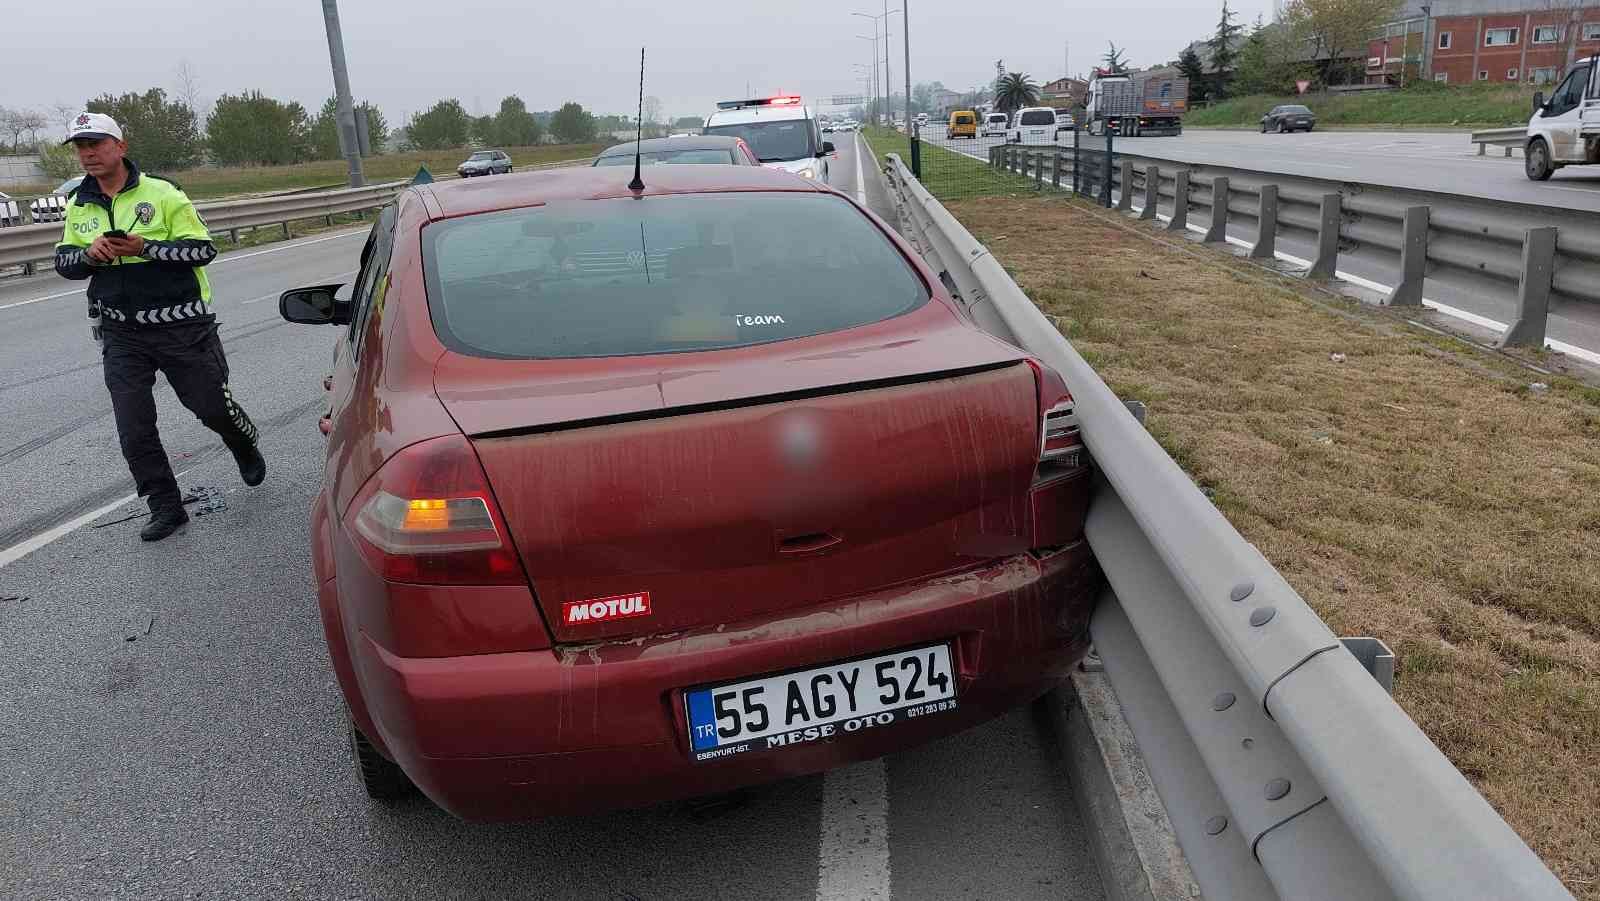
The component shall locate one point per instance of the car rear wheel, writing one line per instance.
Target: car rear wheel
(1537, 161)
(381, 777)
(1282, 129)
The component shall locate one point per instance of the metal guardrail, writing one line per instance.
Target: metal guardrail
(32, 243)
(1509, 138)
(1287, 770)
(28, 244)
(1546, 255)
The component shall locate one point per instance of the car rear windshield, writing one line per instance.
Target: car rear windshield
(624, 277)
(998, 117)
(963, 120)
(1038, 117)
(655, 157)
(1296, 110)
(481, 155)
(772, 142)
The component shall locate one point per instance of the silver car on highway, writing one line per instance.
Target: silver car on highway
(485, 162)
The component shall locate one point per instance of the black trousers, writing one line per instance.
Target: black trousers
(191, 358)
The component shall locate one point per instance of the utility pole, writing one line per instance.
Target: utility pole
(888, 83)
(905, 41)
(349, 143)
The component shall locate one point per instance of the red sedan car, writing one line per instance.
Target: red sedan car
(637, 495)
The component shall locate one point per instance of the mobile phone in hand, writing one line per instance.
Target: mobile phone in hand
(116, 233)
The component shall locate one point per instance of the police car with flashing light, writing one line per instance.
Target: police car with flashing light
(781, 130)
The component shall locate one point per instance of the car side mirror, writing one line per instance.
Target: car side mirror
(827, 148)
(316, 305)
(1538, 101)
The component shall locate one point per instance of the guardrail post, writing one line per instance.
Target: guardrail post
(1105, 173)
(1218, 231)
(1125, 200)
(1266, 246)
(1327, 261)
(1482, 147)
(1413, 259)
(1180, 202)
(1533, 289)
(1055, 169)
(1152, 191)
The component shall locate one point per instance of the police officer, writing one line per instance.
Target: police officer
(142, 246)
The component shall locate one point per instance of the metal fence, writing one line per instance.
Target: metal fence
(1287, 770)
(27, 244)
(1546, 255)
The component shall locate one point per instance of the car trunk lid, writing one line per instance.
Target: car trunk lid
(707, 488)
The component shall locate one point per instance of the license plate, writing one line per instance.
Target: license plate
(819, 704)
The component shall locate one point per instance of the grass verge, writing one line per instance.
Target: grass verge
(233, 181)
(946, 174)
(1413, 489)
(1426, 103)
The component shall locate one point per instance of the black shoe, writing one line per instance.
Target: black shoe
(163, 523)
(252, 466)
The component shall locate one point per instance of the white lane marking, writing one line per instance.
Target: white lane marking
(280, 293)
(861, 181)
(23, 303)
(853, 856)
(23, 548)
(219, 261)
(1571, 350)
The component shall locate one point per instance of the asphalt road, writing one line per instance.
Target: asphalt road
(1441, 161)
(170, 728)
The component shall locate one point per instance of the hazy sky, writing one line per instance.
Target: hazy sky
(404, 54)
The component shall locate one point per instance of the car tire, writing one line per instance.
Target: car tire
(381, 777)
(1536, 161)
(1263, 127)
(1282, 129)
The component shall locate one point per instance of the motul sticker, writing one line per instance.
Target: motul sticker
(595, 610)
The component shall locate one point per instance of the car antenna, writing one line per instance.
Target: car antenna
(638, 183)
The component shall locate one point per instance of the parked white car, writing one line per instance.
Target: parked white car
(53, 206)
(994, 125)
(1565, 129)
(1033, 125)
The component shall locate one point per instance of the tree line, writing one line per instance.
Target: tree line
(253, 129)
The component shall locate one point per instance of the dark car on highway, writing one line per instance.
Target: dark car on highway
(1292, 117)
(485, 162)
(714, 149)
(640, 495)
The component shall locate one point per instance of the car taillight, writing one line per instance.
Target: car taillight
(1060, 440)
(427, 516)
(1059, 497)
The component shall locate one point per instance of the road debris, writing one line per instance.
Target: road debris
(1337, 357)
(139, 626)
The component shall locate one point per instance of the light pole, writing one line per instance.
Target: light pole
(905, 42)
(874, 40)
(888, 90)
(349, 140)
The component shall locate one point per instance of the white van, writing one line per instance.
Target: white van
(1565, 129)
(995, 125)
(1033, 125)
(782, 133)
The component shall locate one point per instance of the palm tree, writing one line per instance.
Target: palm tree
(1013, 91)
